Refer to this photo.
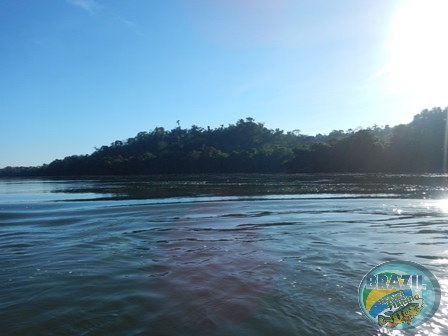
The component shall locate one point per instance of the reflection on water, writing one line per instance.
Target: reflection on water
(223, 255)
(442, 205)
(152, 187)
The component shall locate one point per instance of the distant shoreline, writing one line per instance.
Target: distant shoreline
(248, 147)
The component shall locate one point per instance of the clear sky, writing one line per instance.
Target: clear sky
(75, 74)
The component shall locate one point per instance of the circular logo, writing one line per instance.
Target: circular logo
(399, 295)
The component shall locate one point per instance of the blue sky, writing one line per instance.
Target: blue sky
(82, 73)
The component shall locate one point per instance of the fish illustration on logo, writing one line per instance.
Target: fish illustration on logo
(403, 314)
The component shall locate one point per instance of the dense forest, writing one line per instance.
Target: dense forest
(249, 147)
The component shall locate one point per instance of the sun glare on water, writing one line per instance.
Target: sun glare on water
(443, 205)
(418, 48)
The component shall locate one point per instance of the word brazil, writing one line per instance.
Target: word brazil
(408, 281)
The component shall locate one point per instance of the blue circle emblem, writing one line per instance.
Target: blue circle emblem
(399, 295)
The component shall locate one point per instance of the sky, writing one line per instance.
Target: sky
(79, 74)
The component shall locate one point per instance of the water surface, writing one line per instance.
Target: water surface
(212, 255)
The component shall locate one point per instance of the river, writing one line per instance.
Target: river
(212, 255)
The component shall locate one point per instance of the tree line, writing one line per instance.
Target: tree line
(249, 147)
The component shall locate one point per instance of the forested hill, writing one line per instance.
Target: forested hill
(249, 147)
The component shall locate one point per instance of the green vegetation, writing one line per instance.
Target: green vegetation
(250, 147)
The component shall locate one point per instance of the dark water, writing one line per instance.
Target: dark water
(212, 255)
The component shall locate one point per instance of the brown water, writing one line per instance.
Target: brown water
(212, 255)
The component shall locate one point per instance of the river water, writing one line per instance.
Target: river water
(212, 255)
